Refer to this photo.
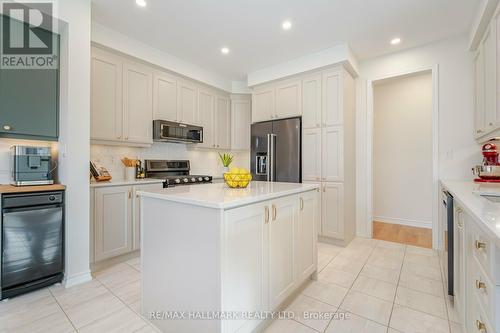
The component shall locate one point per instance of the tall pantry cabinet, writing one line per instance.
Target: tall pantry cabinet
(327, 105)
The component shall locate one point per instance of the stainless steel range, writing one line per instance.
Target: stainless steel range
(173, 172)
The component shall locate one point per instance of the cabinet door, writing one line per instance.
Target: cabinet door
(187, 103)
(136, 222)
(307, 235)
(206, 105)
(490, 97)
(262, 104)
(222, 123)
(164, 96)
(240, 124)
(459, 243)
(332, 154)
(281, 249)
(320, 201)
(311, 102)
(245, 263)
(479, 92)
(332, 207)
(311, 154)
(106, 117)
(113, 221)
(137, 103)
(288, 99)
(332, 112)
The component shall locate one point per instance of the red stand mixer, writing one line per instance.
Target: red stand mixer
(489, 171)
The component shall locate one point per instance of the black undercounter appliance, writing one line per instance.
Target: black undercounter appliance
(276, 151)
(32, 242)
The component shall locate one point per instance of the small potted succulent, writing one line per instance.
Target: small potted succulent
(226, 160)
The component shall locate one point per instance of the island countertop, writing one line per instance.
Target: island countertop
(220, 196)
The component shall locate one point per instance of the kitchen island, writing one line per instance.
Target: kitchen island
(216, 259)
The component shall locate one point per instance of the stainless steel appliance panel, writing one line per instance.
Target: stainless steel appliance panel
(259, 150)
(287, 153)
(168, 131)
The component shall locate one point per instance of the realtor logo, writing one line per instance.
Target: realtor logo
(27, 38)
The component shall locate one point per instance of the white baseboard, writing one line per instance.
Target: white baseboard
(83, 277)
(407, 222)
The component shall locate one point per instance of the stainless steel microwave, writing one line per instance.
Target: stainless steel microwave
(170, 131)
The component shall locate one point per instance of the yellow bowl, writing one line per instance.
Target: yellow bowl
(237, 180)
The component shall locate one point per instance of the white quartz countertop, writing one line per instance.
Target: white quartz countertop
(220, 196)
(123, 182)
(467, 193)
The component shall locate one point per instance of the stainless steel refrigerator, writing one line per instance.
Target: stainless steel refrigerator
(276, 151)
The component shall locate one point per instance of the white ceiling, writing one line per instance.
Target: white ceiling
(195, 30)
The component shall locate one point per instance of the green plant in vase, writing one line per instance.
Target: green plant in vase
(226, 160)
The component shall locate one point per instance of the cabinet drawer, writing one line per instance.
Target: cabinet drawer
(483, 289)
(479, 322)
(482, 249)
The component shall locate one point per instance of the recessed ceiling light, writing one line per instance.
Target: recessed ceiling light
(395, 41)
(224, 50)
(141, 3)
(286, 25)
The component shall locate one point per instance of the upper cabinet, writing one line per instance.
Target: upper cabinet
(164, 96)
(311, 101)
(206, 104)
(215, 117)
(486, 83)
(222, 122)
(289, 99)
(263, 104)
(188, 103)
(332, 112)
(240, 124)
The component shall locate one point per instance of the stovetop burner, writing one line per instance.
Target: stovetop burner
(173, 172)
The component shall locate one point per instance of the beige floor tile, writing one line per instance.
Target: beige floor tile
(368, 307)
(343, 279)
(136, 307)
(69, 297)
(116, 279)
(422, 284)
(456, 328)
(129, 293)
(355, 254)
(135, 263)
(288, 326)
(383, 261)
(422, 271)
(421, 250)
(148, 329)
(323, 260)
(379, 273)
(391, 245)
(363, 242)
(411, 321)
(392, 330)
(112, 269)
(422, 259)
(420, 301)
(346, 265)
(326, 292)
(453, 315)
(395, 253)
(374, 287)
(329, 249)
(355, 324)
(82, 314)
(306, 309)
(54, 323)
(25, 301)
(121, 321)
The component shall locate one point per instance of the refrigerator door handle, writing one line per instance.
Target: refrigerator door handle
(271, 141)
(268, 171)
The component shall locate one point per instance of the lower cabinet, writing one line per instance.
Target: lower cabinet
(332, 210)
(116, 220)
(269, 249)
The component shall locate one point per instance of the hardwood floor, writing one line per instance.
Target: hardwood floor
(403, 234)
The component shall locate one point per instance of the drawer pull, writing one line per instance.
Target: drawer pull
(274, 213)
(480, 285)
(480, 245)
(266, 210)
(480, 326)
(459, 210)
(301, 204)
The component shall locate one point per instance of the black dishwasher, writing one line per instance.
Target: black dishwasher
(32, 241)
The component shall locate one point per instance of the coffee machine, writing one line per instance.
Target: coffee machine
(31, 166)
(489, 170)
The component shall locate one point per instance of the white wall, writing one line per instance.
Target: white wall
(203, 161)
(458, 151)
(402, 150)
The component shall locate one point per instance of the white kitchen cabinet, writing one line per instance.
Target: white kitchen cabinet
(311, 101)
(241, 118)
(136, 209)
(137, 103)
(311, 154)
(246, 245)
(288, 99)
(332, 98)
(490, 77)
(332, 144)
(459, 260)
(187, 103)
(206, 103)
(106, 96)
(307, 234)
(479, 119)
(112, 221)
(263, 106)
(222, 123)
(332, 210)
(164, 96)
(281, 249)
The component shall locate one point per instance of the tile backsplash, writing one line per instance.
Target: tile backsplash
(203, 161)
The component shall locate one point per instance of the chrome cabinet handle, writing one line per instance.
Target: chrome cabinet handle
(266, 210)
(7, 127)
(275, 213)
(480, 285)
(480, 245)
(301, 204)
